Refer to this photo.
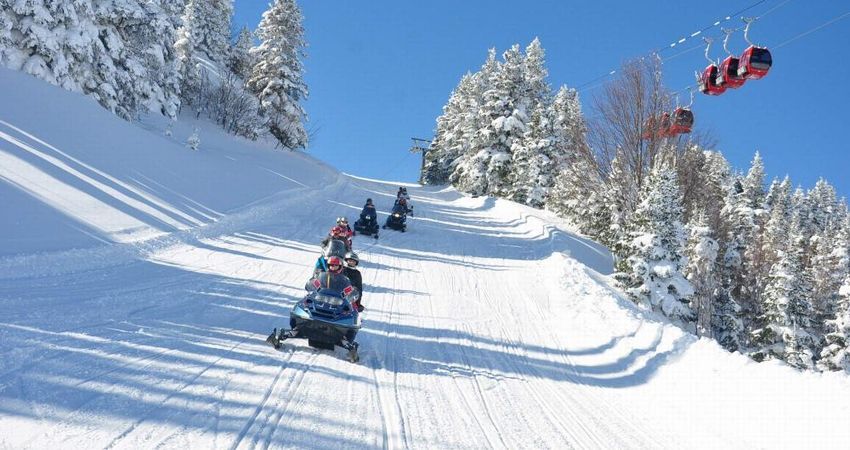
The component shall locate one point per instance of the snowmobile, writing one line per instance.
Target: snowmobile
(367, 226)
(335, 247)
(326, 318)
(397, 219)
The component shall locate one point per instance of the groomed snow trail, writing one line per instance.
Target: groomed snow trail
(459, 349)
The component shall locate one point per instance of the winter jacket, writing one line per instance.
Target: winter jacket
(370, 213)
(355, 277)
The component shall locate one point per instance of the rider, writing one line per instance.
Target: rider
(333, 279)
(369, 215)
(338, 232)
(350, 270)
(404, 198)
(342, 221)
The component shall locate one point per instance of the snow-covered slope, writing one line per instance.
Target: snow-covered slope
(139, 280)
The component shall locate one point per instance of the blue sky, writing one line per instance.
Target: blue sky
(380, 71)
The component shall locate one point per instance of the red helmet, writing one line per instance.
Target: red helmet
(334, 264)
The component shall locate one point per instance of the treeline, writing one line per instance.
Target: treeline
(134, 56)
(763, 270)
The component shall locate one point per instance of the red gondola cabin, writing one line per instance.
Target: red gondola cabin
(708, 81)
(682, 121)
(728, 74)
(754, 63)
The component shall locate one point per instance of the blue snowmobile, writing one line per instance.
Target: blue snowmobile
(325, 317)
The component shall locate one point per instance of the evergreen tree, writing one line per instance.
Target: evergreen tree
(532, 156)
(206, 29)
(726, 324)
(836, 353)
(118, 53)
(651, 272)
(276, 78)
(469, 174)
(504, 118)
(582, 200)
(570, 130)
(241, 62)
(786, 307)
(754, 183)
(701, 254)
(455, 128)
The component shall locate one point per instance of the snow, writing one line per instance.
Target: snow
(138, 280)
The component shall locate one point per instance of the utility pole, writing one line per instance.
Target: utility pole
(420, 146)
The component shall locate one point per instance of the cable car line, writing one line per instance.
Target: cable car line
(726, 18)
(806, 33)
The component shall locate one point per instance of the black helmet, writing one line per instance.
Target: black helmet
(368, 201)
(352, 256)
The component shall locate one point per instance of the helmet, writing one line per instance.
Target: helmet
(351, 256)
(341, 221)
(403, 189)
(368, 201)
(334, 264)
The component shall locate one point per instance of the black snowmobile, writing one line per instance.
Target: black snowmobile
(397, 219)
(367, 226)
(326, 318)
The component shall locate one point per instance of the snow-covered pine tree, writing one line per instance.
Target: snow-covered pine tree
(570, 129)
(701, 255)
(539, 177)
(754, 183)
(206, 29)
(836, 353)
(620, 191)
(831, 269)
(140, 37)
(7, 43)
(532, 156)
(504, 118)
(455, 129)
(469, 174)
(582, 200)
(117, 52)
(746, 241)
(651, 274)
(735, 288)
(785, 302)
(54, 41)
(194, 140)
(241, 62)
(726, 325)
(185, 47)
(277, 77)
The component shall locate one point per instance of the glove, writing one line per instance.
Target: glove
(360, 308)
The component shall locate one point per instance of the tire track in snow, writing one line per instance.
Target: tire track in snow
(391, 419)
(121, 436)
(486, 429)
(263, 405)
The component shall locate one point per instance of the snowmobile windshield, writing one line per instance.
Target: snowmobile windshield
(329, 297)
(335, 247)
(398, 209)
